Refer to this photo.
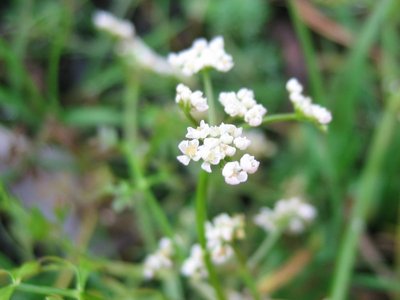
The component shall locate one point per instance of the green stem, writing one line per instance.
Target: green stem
(308, 51)
(44, 290)
(280, 118)
(130, 147)
(201, 217)
(212, 114)
(264, 249)
(366, 193)
(54, 58)
(248, 279)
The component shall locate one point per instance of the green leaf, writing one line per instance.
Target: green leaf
(26, 270)
(6, 293)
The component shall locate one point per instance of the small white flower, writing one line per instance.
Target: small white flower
(160, 260)
(200, 132)
(194, 266)
(254, 115)
(242, 142)
(189, 151)
(202, 55)
(194, 100)
(107, 22)
(249, 164)
(233, 173)
(293, 86)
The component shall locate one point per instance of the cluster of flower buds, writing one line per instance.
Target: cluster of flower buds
(304, 106)
(160, 260)
(291, 215)
(194, 265)
(242, 104)
(202, 55)
(193, 101)
(118, 28)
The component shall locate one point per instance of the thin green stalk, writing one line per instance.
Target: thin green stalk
(131, 144)
(212, 113)
(54, 58)
(244, 272)
(366, 193)
(45, 290)
(308, 51)
(201, 217)
(264, 249)
(280, 118)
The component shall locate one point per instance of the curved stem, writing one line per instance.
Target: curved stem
(201, 217)
(264, 248)
(280, 118)
(366, 194)
(212, 114)
(248, 279)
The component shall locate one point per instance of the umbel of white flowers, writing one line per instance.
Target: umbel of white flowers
(159, 260)
(212, 144)
(304, 106)
(202, 55)
(220, 234)
(291, 215)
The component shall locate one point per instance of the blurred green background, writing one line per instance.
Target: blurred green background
(65, 182)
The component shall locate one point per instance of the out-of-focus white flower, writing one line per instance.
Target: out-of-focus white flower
(288, 214)
(112, 25)
(260, 146)
(220, 233)
(194, 266)
(194, 100)
(242, 104)
(249, 164)
(160, 260)
(130, 46)
(304, 105)
(202, 55)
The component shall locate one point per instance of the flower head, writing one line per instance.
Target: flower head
(160, 260)
(288, 214)
(194, 266)
(193, 100)
(202, 55)
(304, 105)
(242, 104)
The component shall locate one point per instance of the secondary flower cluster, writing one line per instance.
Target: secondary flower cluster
(288, 214)
(220, 234)
(304, 105)
(194, 101)
(202, 55)
(213, 144)
(130, 46)
(160, 260)
(242, 104)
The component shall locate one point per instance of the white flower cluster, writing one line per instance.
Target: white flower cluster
(213, 144)
(202, 55)
(304, 105)
(114, 26)
(160, 260)
(242, 104)
(288, 214)
(193, 100)
(221, 233)
(194, 266)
